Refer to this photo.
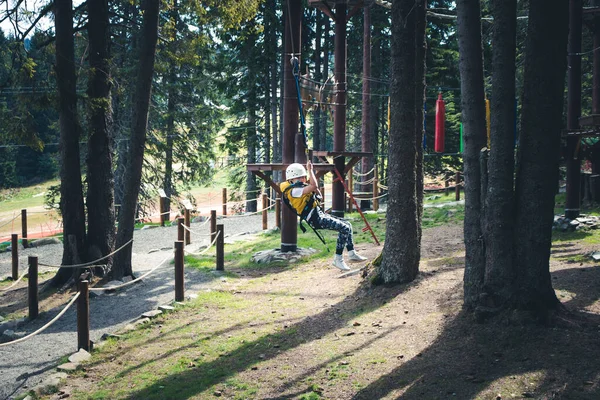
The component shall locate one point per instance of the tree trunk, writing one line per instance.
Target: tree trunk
(473, 116)
(537, 158)
(318, 75)
(367, 163)
(171, 82)
(324, 77)
(251, 187)
(400, 261)
(121, 102)
(100, 193)
(420, 96)
(122, 260)
(71, 188)
(170, 131)
(499, 201)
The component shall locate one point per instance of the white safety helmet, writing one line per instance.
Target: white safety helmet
(294, 171)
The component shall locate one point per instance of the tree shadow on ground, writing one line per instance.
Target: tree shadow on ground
(559, 360)
(309, 329)
(312, 328)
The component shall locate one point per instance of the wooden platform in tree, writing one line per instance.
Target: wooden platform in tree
(354, 156)
(590, 127)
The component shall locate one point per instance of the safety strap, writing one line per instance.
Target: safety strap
(308, 207)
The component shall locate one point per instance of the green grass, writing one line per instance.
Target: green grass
(20, 198)
(440, 198)
(435, 216)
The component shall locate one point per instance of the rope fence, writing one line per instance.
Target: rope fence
(356, 173)
(207, 248)
(217, 240)
(248, 214)
(9, 221)
(367, 182)
(131, 282)
(14, 283)
(87, 264)
(43, 328)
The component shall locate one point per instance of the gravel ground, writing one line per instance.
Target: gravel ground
(24, 365)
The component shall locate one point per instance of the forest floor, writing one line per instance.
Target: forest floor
(300, 332)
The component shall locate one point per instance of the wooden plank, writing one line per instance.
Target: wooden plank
(321, 153)
(266, 167)
(282, 167)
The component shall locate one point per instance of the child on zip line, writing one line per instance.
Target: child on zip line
(302, 195)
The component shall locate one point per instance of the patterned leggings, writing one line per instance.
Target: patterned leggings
(344, 228)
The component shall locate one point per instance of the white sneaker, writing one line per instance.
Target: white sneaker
(354, 256)
(339, 263)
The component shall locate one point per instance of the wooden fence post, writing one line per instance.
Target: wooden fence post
(24, 228)
(14, 243)
(83, 317)
(350, 191)
(265, 217)
(224, 201)
(220, 248)
(180, 230)
(179, 284)
(322, 190)
(188, 220)
(161, 207)
(278, 212)
(446, 188)
(213, 225)
(375, 194)
(32, 287)
(457, 186)
(375, 188)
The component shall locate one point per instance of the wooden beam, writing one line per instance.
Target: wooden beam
(356, 9)
(351, 164)
(268, 180)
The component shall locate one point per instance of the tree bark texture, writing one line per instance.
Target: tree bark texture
(400, 261)
(539, 144)
(499, 199)
(420, 96)
(71, 188)
(318, 62)
(473, 116)
(100, 180)
(133, 177)
(171, 83)
(324, 113)
(251, 138)
(367, 121)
